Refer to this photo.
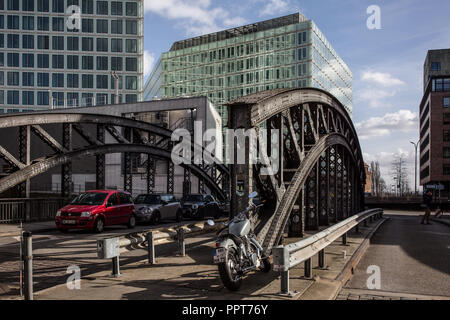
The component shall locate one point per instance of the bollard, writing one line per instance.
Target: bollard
(28, 265)
(281, 264)
(116, 267)
(284, 282)
(344, 239)
(322, 259)
(151, 247)
(181, 242)
(308, 268)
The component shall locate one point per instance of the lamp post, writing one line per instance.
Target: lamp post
(415, 166)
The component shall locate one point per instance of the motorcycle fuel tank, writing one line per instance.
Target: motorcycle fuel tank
(240, 228)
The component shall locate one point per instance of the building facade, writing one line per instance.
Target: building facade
(61, 53)
(285, 52)
(435, 121)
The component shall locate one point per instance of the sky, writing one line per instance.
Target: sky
(387, 63)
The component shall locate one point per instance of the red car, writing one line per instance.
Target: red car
(96, 209)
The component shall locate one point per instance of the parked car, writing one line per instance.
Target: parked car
(156, 207)
(96, 209)
(199, 206)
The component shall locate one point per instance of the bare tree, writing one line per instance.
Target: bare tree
(399, 174)
(376, 178)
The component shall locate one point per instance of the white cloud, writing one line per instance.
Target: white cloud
(149, 60)
(383, 79)
(195, 16)
(274, 7)
(376, 98)
(403, 120)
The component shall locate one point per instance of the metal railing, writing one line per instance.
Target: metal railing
(289, 256)
(28, 210)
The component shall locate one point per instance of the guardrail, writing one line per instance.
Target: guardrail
(110, 248)
(28, 210)
(289, 256)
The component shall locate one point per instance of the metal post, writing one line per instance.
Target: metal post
(151, 247)
(116, 267)
(322, 259)
(344, 239)
(28, 262)
(284, 282)
(308, 268)
(181, 242)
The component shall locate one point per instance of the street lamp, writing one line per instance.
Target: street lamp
(415, 165)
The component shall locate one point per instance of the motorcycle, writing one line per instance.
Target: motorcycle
(237, 250)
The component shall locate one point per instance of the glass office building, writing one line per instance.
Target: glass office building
(50, 56)
(285, 52)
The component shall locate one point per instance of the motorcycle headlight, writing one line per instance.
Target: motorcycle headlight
(85, 214)
(195, 206)
(58, 213)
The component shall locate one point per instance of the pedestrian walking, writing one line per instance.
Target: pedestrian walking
(427, 199)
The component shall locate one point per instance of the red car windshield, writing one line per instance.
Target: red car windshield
(90, 199)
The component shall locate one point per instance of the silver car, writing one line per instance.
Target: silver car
(156, 207)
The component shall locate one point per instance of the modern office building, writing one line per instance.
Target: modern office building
(63, 53)
(435, 122)
(285, 52)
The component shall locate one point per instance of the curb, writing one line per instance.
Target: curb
(348, 270)
(446, 223)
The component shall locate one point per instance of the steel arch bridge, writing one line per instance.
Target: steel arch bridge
(321, 172)
(131, 137)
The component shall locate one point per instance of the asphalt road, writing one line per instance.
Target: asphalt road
(54, 252)
(413, 258)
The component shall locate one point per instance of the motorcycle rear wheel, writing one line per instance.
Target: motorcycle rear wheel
(228, 271)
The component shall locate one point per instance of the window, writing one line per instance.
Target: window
(446, 169)
(72, 62)
(116, 63)
(57, 43)
(2, 97)
(130, 98)
(131, 8)
(2, 21)
(13, 22)
(102, 81)
(124, 198)
(131, 64)
(28, 60)
(72, 80)
(2, 59)
(116, 26)
(28, 98)
(13, 5)
(87, 44)
(13, 97)
(2, 78)
(446, 135)
(130, 82)
(42, 5)
(58, 80)
(27, 23)
(446, 102)
(87, 81)
(102, 26)
(72, 99)
(131, 27)
(131, 46)
(116, 8)
(27, 41)
(42, 98)
(101, 99)
(58, 98)
(435, 66)
(57, 24)
(13, 59)
(12, 78)
(27, 5)
(102, 44)
(102, 63)
(58, 6)
(102, 7)
(43, 23)
(86, 99)
(43, 60)
(72, 43)
(116, 45)
(87, 25)
(13, 41)
(42, 80)
(2, 41)
(87, 62)
(446, 152)
(87, 6)
(28, 79)
(43, 42)
(112, 200)
(58, 61)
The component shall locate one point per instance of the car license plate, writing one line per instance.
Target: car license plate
(69, 221)
(220, 255)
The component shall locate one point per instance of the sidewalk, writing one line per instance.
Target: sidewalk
(195, 277)
(7, 230)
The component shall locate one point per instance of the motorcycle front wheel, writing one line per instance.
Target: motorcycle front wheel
(229, 271)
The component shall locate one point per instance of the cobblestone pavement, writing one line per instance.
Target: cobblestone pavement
(356, 294)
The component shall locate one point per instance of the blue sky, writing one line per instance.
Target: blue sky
(387, 64)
